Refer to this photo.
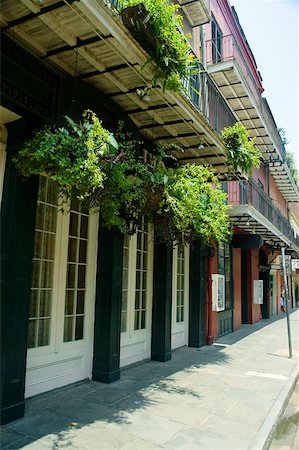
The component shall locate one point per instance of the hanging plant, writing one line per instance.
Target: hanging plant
(155, 24)
(132, 188)
(193, 205)
(242, 153)
(70, 155)
(111, 175)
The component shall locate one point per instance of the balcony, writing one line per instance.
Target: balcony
(254, 212)
(196, 11)
(88, 39)
(231, 73)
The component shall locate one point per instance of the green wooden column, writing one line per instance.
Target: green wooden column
(17, 240)
(197, 287)
(162, 301)
(108, 306)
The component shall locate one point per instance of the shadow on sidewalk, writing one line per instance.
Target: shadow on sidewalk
(53, 418)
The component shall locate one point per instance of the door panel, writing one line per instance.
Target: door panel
(137, 296)
(62, 294)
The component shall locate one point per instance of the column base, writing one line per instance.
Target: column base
(106, 377)
(12, 413)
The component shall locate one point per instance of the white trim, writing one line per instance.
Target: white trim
(179, 330)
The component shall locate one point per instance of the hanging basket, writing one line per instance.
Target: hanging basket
(138, 21)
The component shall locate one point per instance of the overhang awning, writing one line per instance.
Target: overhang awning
(88, 40)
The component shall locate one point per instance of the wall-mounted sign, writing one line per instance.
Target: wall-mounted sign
(218, 292)
(258, 292)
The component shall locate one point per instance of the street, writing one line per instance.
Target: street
(287, 431)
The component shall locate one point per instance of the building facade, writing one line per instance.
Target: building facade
(79, 301)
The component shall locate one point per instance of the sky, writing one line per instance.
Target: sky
(272, 30)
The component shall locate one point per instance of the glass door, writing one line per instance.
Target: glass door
(62, 293)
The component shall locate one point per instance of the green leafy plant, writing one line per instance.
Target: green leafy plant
(70, 155)
(242, 153)
(164, 42)
(111, 174)
(195, 206)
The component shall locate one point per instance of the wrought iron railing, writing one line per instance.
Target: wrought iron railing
(226, 48)
(202, 92)
(249, 193)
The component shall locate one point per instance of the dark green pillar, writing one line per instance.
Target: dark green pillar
(162, 300)
(197, 288)
(108, 306)
(17, 240)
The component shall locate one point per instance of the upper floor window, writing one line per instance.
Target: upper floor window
(216, 42)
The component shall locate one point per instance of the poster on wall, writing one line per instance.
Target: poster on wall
(258, 292)
(218, 292)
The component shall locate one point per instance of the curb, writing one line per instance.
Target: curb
(266, 433)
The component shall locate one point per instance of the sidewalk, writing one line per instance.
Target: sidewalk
(228, 396)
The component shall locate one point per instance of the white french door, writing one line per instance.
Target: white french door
(180, 296)
(136, 314)
(60, 330)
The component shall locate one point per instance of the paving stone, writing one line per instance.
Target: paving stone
(201, 399)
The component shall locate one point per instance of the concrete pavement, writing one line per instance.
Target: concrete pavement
(227, 396)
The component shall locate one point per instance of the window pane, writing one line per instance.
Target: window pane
(46, 274)
(31, 333)
(79, 328)
(69, 303)
(74, 224)
(84, 227)
(143, 320)
(39, 218)
(35, 273)
(138, 275)
(38, 239)
(82, 251)
(72, 250)
(33, 304)
(143, 300)
(136, 320)
(48, 246)
(43, 332)
(70, 275)
(81, 276)
(123, 321)
(45, 303)
(68, 329)
(50, 218)
(124, 300)
(137, 300)
(126, 257)
(80, 302)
